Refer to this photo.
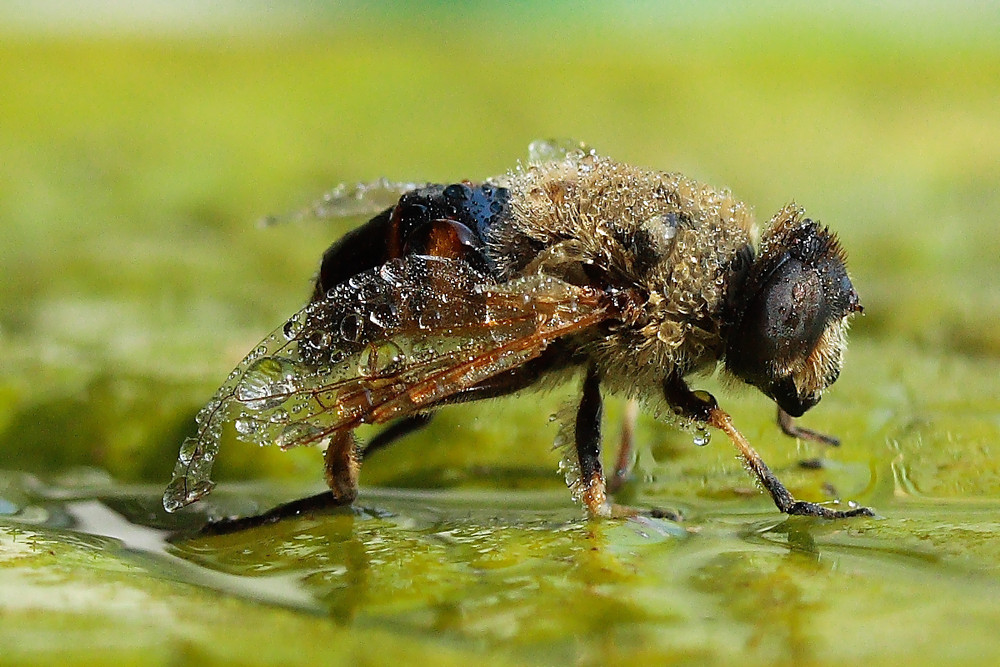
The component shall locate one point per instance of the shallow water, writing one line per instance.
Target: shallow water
(521, 575)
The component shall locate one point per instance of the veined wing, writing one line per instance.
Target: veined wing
(349, 200)
(387, 343)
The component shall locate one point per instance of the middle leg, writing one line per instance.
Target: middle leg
(590, 487)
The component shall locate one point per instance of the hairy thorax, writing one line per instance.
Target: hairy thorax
(667, 242)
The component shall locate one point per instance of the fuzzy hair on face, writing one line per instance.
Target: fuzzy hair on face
(790, 337)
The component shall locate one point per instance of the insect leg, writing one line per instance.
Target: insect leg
(626, 448)
(342, 462)
(591, 487)
(315, 503)
(790, 428)
(500, 385)
(702, 406)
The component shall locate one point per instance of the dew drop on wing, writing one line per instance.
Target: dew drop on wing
(244, 426)
(295, 433)
(392, 272)
(190, 479)
(266, 383)
(278, 416)
(188, 449)
(350, 327)
(379, 358)
(320, 339)
(180, 493)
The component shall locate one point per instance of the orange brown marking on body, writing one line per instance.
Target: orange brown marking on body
(444, 240)
(394, 243)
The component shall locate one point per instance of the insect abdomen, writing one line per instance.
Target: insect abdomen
(443, 220)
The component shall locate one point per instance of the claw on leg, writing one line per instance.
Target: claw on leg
(594, 495)
(782, 498)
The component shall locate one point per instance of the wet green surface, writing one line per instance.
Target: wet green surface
(133, 279)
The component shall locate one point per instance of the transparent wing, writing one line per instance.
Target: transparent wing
(555, 150)
(387, 343)
(349, 200)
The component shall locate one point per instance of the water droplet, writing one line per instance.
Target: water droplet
(390, 272)
(458, 192)
(296, 434)
(267, 382)
(428, 319)
(244, 426)
(380, 358)
(350, 327)
(320, 339)
(188, 450)
(377, 317)
(291, 328)
(701, 436)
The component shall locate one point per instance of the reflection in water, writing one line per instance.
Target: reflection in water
(94, 517)
(473, 571)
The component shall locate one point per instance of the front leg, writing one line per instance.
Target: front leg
(787, 424)
(702, 407)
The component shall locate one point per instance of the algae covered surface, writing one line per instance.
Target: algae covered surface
(139, 151)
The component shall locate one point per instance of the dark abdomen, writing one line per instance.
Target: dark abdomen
(443, 220)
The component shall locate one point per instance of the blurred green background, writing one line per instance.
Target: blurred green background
(140, 145)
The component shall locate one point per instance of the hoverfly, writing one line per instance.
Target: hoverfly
(633, 278)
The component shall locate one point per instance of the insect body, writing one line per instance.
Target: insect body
(634, 278)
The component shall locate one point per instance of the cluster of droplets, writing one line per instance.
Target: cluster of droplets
(380, 345)
(267, 382)
(190, 479)
(565, 444)
(701, 436)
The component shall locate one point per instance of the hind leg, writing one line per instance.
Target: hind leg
(341, 464)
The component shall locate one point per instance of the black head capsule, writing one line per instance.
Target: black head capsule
(789, 338)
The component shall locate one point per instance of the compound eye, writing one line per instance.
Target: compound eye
(796, 312)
